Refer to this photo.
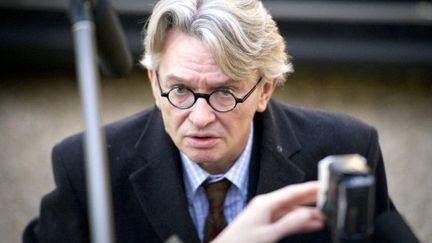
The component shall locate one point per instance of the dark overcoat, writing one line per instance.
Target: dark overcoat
(146, 173)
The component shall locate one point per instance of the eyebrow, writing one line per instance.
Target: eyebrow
(170, 78)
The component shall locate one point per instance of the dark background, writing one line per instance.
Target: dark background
(37, 33)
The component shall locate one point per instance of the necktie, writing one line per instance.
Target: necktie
(215, 221)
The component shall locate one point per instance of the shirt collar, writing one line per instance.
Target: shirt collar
(238, 174)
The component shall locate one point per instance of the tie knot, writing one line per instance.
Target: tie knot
(216, 192)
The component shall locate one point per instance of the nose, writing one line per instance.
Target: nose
(202, 114)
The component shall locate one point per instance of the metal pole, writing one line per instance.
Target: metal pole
(97, 176)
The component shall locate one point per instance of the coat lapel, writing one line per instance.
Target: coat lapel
(277, 172)
(277, 144)
(275, 166)
(158, 184)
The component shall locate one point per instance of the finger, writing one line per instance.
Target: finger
(300, 220)
(297, 194)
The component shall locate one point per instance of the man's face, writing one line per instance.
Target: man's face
(213, 139)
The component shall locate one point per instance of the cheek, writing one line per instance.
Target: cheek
(239, 121)
(245, 116)
(250, 108)
(173, 119)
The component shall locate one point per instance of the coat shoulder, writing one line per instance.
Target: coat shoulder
(319, 119)
(125, 131)
(120, 138)
(325, 130)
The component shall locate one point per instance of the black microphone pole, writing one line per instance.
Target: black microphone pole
(115, 58)
(115, 64)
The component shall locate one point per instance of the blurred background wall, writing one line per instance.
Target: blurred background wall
(374, 68)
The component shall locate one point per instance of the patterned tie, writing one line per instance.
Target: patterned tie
(215, 221)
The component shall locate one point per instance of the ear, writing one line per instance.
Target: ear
(266, 93)
(152, 78)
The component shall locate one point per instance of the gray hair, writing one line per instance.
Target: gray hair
(241, 34)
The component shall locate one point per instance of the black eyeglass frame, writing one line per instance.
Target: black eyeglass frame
(207, 96)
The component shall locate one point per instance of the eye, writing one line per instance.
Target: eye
(180, 90)
(223, 92)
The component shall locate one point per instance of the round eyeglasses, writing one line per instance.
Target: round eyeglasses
(221, 100)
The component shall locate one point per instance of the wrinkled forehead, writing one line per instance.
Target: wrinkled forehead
(186, 56)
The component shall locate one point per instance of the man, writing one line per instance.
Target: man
(213, 67)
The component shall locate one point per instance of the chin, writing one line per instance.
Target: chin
(203, 157)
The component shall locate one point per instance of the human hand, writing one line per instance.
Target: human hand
(270, 217)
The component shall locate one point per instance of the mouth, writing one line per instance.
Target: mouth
(202, 141)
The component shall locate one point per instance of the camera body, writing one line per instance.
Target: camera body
(347, 197)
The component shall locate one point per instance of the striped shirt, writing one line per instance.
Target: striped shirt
(235, 201)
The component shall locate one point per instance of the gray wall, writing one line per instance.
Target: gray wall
(37, 110)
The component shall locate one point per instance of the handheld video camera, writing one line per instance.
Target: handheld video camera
(347, 197)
